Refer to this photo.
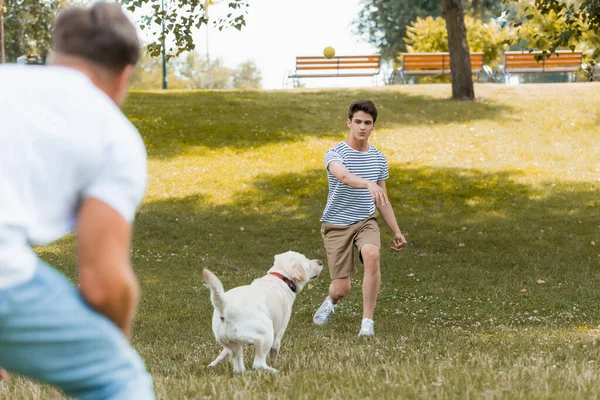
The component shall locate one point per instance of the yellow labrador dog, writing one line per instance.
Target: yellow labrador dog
(258, 314)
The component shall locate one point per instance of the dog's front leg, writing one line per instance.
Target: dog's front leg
(238, 359)
(262, 348)
(222, 356)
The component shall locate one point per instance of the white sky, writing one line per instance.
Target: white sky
(277, 31)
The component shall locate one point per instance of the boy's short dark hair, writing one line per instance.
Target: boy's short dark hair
(366, 106)
(101, 34)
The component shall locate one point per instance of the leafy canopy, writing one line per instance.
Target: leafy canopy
(549, 25)
(27, 26)
(180, 18)
(430, 35)
(193, 71)
(384, 22)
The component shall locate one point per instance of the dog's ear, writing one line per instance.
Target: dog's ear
(277, 260)
(298, 272)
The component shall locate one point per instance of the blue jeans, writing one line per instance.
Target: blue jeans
(48, 333)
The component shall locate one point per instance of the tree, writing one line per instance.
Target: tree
(189, 71)
(430, 35)
(460, 59)
(247, 76)
(27, 26)
(555, 24)
(193, 71)
(484, 9)
(174, 21)
(383, 22)
(148, 74)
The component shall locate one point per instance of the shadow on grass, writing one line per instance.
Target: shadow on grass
(472, 235)
(170, 122)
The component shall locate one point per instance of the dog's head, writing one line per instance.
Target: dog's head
(297, 267)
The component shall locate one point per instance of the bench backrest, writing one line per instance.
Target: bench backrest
(341, 64)
(524, 61)
(437, 63)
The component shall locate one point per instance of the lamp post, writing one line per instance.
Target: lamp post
(208, 66)
(2, 55)
(164, 58)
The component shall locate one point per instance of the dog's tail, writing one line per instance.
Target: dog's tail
(217, 293)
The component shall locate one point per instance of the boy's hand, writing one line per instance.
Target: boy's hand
(379, 194)
(3, 375)
(399, 242)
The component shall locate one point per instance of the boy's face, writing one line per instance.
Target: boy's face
(361, 125)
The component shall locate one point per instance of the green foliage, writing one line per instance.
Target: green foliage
(28, 23)
(148, 74)
(383, 22)
(549, 25)
(484, 9)
(176, 21)
(195, 73)
(27, 26)
(247, 76)
(190, 71)
(429, 35)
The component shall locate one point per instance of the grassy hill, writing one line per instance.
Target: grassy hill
(496, 296)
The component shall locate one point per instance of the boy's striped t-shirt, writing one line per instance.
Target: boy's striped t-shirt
(347, 205)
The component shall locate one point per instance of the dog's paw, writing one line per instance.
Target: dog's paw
(266, 368)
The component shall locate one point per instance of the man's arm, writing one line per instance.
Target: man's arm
(387, 213)
(342, 173)
(106, 279)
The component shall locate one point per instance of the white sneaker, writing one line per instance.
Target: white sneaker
(366, 327)
(324, 312)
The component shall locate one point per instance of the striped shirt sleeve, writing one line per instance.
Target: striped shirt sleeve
(332, 155)
(384, 173)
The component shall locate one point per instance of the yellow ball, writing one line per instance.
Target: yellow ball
(329, 52)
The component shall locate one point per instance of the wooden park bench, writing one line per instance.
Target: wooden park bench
(335, 67)
(420, 64)
(522, 62)
(33, 59)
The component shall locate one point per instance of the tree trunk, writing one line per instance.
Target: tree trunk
(2, 53)
(460, 59)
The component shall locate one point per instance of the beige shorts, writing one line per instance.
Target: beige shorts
(340, 241)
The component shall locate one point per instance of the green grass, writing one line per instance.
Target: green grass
(492, 196)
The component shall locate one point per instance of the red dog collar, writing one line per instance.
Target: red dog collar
(288, 281)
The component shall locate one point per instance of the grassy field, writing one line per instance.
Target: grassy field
(495, 297)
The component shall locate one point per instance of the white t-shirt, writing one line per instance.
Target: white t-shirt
(61, 140)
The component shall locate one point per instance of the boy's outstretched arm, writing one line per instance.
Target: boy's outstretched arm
(387, 213)
(342, 173)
